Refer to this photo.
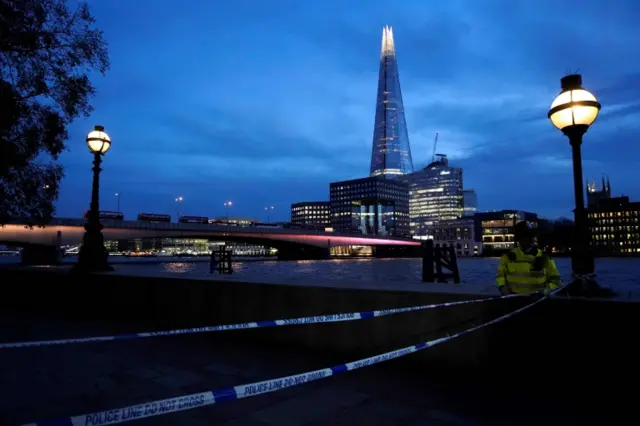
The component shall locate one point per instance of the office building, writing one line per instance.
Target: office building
(469, 202)
(371, 206)
(435, 194)
(460, 233)
(390, 152)
(594, 195)
(233, 221)
(614, 226)
(497, 229)
(310, 213)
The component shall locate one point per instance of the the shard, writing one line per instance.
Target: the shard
(391, 153)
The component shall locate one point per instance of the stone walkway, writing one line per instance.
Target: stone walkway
(58, 381)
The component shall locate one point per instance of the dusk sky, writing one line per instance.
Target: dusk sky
(266, 102)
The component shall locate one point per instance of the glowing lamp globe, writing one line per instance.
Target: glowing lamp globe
(574, 106)
(98, 140)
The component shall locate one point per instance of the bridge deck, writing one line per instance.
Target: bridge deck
(214, 228)
(71, 230)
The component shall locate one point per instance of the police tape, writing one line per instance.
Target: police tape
(201, 399)
(352, 316)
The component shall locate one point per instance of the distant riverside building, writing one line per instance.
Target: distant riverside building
(435, 194)
(469, 202)
(594, 195)
(497, 229)
(614, 226)
(233, 221)
(459, 232)
(371, 206)
(390, 153)
(310, 213)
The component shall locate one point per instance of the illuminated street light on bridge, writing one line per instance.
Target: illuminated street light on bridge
(227, 205)
(179, 201)
(268, 209)
(93, 256)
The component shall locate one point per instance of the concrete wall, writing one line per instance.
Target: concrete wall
(556, 336)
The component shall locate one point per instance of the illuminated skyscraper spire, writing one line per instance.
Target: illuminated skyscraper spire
(391, 153)
(388, 47)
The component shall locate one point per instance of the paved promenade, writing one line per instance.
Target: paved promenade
(58, 381)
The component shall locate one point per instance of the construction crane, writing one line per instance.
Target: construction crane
(435, 144)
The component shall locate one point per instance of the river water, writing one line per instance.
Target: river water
(620, 274)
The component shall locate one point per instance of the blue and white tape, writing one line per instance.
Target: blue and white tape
(352, 316)
(196, 400)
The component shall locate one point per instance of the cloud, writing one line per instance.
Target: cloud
(258, 102)
(553, 164)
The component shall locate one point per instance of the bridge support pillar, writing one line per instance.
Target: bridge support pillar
(303, 253)
(40, 255)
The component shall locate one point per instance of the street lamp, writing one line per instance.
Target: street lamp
(573, 111)
(268, 209)
(178, 202)
(227, 205)
(118, 194)
(93, 257)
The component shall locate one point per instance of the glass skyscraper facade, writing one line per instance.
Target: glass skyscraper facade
(435, 194)
(391, 153)
(469, 202)
(370, 206)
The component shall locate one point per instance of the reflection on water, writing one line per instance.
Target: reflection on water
(621, 274)
(179, 267)
(616, 273)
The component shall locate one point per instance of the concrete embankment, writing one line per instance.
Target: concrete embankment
(575, 338)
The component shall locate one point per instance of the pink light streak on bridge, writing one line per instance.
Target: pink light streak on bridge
(71, 235)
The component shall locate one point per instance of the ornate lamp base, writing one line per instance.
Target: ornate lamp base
(93, 257)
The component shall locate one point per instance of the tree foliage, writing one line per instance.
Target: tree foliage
(47, 52)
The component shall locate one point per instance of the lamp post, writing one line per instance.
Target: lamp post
(268, 209)
(93, 257)
(118, 194)
(572, 112)
(227, 205)
(179, 201)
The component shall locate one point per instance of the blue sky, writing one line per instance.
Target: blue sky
(266, 102)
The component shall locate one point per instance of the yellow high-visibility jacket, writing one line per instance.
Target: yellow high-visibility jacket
(527, 272)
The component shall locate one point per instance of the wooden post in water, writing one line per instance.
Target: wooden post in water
(224, 261)
(439, 258)
(427, 261)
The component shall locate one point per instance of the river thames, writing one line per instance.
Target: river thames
(620, 274)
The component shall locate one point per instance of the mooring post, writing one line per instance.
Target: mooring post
(427, 261)
(438, 255)
(220, 259)
(454, 264)
(224, 263)
(229, 266)
(435, 259)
